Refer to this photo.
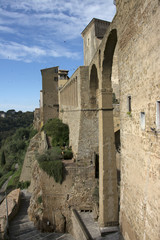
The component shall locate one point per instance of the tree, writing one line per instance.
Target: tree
(3, 159)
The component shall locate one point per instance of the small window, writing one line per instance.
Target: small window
(100, 58)
(96, 166)
(158, 115)
(56, 79)
(129, 103)
(56, 70)
(88, 42)
(142, 120)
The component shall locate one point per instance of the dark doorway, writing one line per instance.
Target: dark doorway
(96, 166)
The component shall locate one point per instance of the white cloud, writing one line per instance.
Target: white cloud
(7, 29)
(39, 27)
(19, 52)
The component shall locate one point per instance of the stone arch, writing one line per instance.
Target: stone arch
(94, 82)
(108, 196)
(108, 59)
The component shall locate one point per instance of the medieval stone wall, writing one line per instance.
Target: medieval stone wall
(75, 111)
(139, 72)
(57, 200)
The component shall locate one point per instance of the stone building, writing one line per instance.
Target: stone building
(134, 37)
(52, 79)
(125, 57)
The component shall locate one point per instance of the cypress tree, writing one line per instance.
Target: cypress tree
(3, 159)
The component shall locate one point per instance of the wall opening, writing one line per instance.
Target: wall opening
(129, 103)
(158, 114)
(99, 58)
(93, 86)
(142, 120)
(96, 166)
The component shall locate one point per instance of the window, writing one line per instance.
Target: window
(142, 120)
(129, 103)
(96, 166)
(100, 58)
(88, 42)
(56, 79)
(56, 70)
(158, 114)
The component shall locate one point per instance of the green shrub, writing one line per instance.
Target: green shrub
(14, 148)
(39, 199)
(58, 131)
(24, 185)
(50, 155)
(53, 169)
(22, 133)
(21, 144)
(3, 159)
(51, 163)
(67, 154)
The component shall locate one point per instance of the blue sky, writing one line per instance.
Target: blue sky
(38, 34)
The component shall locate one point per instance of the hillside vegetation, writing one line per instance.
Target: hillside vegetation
(13, 120)
(14, 146)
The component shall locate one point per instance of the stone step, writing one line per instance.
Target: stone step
(23, 232)
(24, 235)
(20, 219)
(20, 228)
(65, 237)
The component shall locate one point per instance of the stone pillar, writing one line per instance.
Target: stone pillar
(108, 196)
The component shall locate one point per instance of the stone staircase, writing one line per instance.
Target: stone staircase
(20, 228)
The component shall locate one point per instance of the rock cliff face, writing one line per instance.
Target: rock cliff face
(38, 144)
(51, 202)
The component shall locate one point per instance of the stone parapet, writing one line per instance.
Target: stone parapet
(13, 200)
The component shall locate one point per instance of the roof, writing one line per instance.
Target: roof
(94, 20)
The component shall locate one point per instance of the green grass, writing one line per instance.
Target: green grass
(13, 182)
(5, 177)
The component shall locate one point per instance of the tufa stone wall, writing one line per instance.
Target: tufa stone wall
(139, 69)
(38, 144)
(51, 202)
(82, 121)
